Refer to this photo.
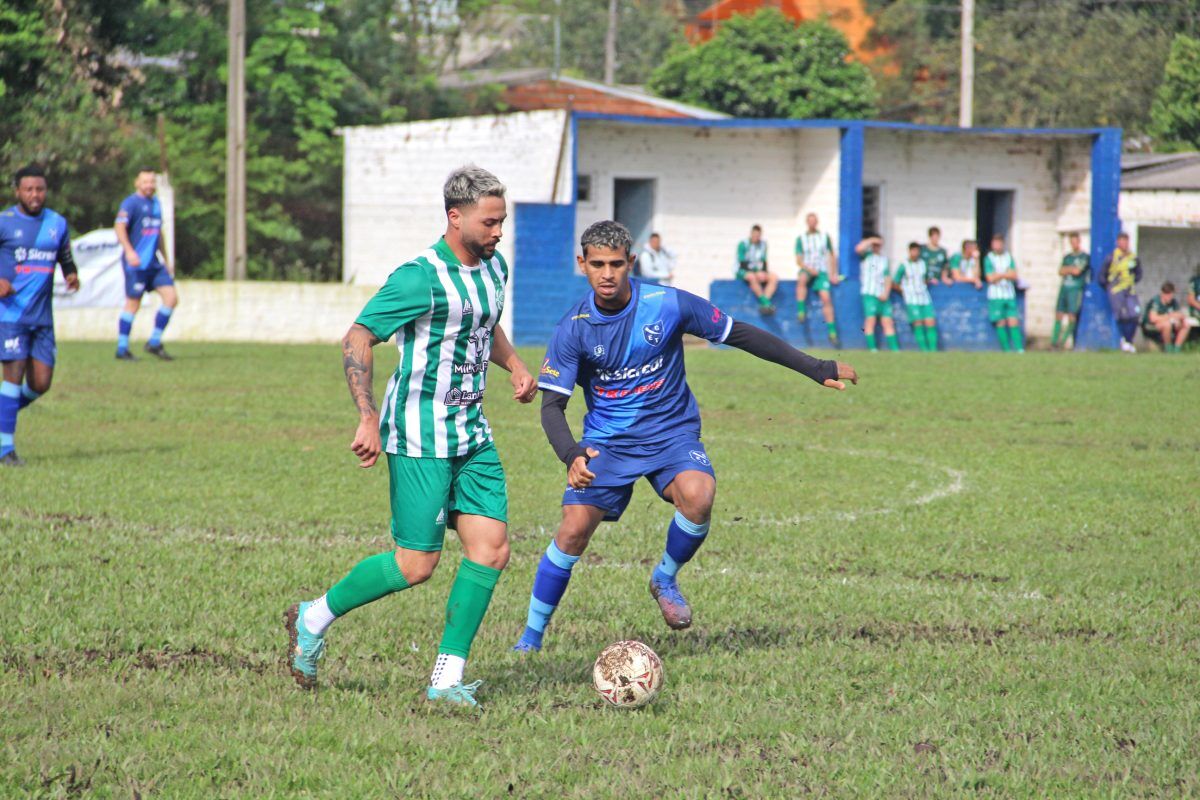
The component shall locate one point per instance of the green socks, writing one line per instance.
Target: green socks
(801, 311)
(371, 579)
(1018, 339)
(872, 344)
(763, 300)
(1002, 334)
(893, 343)
(1070, 331)
(469, 598)
(831, 328)
(926, 336)
(1057, 332)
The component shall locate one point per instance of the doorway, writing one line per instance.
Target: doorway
(633, 207)
(993, 215)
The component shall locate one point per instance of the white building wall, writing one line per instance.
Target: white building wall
(393, 176)
(712, 185)
(931, 179)
(1164, 208)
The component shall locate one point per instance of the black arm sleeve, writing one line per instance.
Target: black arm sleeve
(66, 260)
(558, 431)
(770, 347)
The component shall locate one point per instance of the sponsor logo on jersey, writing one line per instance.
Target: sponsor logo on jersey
(457, 397)
(549, 370)
(467, 307)
(629, 373)
(470, 369)
(34, 254)
(700, 457)
(581, 316)
(441, 517)
(614, 394)
(717, 314)
(659, 293)
(653, 333)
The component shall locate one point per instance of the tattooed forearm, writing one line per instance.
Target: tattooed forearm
(359, 363)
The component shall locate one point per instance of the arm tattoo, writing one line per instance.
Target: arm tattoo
(359, 364)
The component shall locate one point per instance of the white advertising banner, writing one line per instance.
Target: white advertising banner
(101, 276)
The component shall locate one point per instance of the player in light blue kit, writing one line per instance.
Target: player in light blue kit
(144, 256)
(622, 345)
(32, 240)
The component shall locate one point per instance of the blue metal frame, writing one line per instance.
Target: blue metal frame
(850, 208)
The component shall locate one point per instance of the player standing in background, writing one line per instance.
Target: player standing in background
(1119, 277)
(33, 239)
(917, 300)
(875, 279)
(623, 345)
(1000, 272)
(817, 261)
(752, 268)
(964, 265)
(144, 256)
(656, 264)
(443, 307)
(1074, 271)
(937, 260)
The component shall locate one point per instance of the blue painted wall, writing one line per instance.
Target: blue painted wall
(961, 311)
(544, 279)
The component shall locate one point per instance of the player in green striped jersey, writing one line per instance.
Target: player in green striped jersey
(1074, 271)
(443, 307)
(875, 279)
(912, 277)
(817, 262)
(1000, 272)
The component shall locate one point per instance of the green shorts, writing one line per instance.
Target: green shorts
(424, 491)
(1069, 300)
(819, 282)
(1003, 308)
(920, 312)
(874, 307)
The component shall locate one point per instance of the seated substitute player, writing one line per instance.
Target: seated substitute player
(917, 300)
(875, 279)
(752, 268)
(144, 255)
(32, 239)
(817, 262)
(623, 345)
(1074, 271)
(964, 265)
(1000, 272)
(443, 307)
(937, 260)
(1164, 320)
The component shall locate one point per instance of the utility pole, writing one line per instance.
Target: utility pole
(235, 146)
(557, 38)
(966, 89)
(610, 45)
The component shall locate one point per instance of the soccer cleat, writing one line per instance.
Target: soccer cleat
(125, 355)
(526, 647)
(11, 459)
(766, 310)
(157, 351)
(458, 694)
(673, 605)
(304, 648)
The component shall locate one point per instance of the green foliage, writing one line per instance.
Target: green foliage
(1176, 109)
(764, 66)
(1016, 588)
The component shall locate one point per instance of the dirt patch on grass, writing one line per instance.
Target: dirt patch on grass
(60, 664)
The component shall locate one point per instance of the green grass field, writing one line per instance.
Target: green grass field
(971, 574)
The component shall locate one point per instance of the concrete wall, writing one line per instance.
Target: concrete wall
(931, 179)
(712, 185)
(216, 311)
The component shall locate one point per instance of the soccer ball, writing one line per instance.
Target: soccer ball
(628, 674)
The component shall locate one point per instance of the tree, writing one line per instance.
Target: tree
(1175, 113)
(765, 66)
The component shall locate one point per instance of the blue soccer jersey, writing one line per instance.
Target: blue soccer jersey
(142, 218)
(29, 249)
(630, 364)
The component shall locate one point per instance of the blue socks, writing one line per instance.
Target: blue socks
(28, 395)
(684, 538)
(160, 322)
(124, 326)
(10, 404)
(553, 574)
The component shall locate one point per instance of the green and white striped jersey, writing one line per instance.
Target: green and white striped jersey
(873, 273)
(815, 249)
(911, 276)
(1000, 290)
(442, 314)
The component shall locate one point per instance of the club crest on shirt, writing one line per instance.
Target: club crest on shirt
(653, 333)
(598, 350)
(700, 457)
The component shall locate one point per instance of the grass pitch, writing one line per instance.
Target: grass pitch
(971, 574)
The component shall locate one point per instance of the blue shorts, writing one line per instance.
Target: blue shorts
(140, 280)
(20, 342)
(618, 469)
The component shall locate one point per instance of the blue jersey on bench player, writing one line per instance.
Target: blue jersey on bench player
(642, 416)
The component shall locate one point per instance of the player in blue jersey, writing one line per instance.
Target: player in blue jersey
(623, 346)
(32, 240)
(144, 256)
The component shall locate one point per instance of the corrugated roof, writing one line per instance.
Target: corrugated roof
(1160, 171)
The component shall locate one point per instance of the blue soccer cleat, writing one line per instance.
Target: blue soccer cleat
(304, 649)
(673, 605)
(530, 641)
(458, 694)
